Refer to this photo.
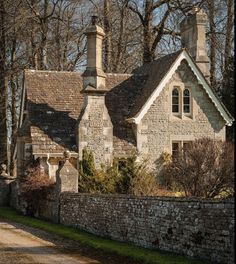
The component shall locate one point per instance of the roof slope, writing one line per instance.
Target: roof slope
(124, 91)
(54, 103)
(155, 71)
(160, 72)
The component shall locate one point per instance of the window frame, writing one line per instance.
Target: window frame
(179, 146)
(177, 88)
(180, 143)
(181, 88)
(189, 101)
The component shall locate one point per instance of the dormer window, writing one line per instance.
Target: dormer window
(175, 100)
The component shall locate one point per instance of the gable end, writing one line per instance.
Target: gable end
(201, 80)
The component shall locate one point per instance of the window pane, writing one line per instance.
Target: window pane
(175, 92)
(186, 100)
(175, 101)
(186, 109)
(175, 149)
(185, 145)
(186, 92)
(175, 108)
(175, 146)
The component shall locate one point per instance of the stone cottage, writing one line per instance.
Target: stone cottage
(160, 107)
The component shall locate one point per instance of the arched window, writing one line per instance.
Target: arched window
(186, 101)
(175, 100)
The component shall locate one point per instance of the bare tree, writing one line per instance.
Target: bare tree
(3, 89)
(208, 175)
(228, 39)
(212, 41)
(108, 36)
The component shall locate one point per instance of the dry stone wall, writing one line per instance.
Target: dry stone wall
(197, 228)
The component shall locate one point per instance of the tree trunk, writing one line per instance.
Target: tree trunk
(3, 89)
(119, 53)
(228, 40)
(211, 15)
(148, 54)
(13, 86)
(108, 36)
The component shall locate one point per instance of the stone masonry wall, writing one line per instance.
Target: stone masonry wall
(95, 131)
(159, 127)
(197, 228)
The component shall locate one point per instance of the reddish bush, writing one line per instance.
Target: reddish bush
(34, 187)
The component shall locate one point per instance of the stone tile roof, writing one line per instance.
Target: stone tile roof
(54, 103)
(155, 72)
(124, 91)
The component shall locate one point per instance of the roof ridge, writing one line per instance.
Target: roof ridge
(116, 74)
(51, 71)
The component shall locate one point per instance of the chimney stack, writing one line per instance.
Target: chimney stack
(193, 37)
(95, 129)
(94, 76)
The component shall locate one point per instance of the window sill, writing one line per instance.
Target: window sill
(177, 117)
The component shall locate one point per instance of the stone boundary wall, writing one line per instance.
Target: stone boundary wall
(5, 190)
(200, 228)
(48, 208)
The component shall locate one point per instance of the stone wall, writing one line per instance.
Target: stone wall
(5, 191)
(159, 127)
(95, 130)
(197, 228)
(49, 207)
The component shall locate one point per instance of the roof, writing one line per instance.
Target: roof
(54, 103)
(155, 85)
(155, 71)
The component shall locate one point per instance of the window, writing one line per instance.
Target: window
(186, 145)
(179, 146)
(186, 101)
(175, 101)
(181, 101)
(176, 145)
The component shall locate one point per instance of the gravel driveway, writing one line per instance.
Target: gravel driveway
(21, 244)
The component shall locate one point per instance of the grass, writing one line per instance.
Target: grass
(140, 254)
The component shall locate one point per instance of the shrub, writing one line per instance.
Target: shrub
(124, 176)
(204, 169)
(135, 178)
(34, 187)
(92, 180)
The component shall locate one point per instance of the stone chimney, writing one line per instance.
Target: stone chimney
(95, 129)
(193, 37)
(94, 76)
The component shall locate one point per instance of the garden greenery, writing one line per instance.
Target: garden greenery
(125, 176)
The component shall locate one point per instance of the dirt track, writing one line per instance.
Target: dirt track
(18, 246)
(24, 245)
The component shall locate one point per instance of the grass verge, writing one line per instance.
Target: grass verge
(140, 254)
